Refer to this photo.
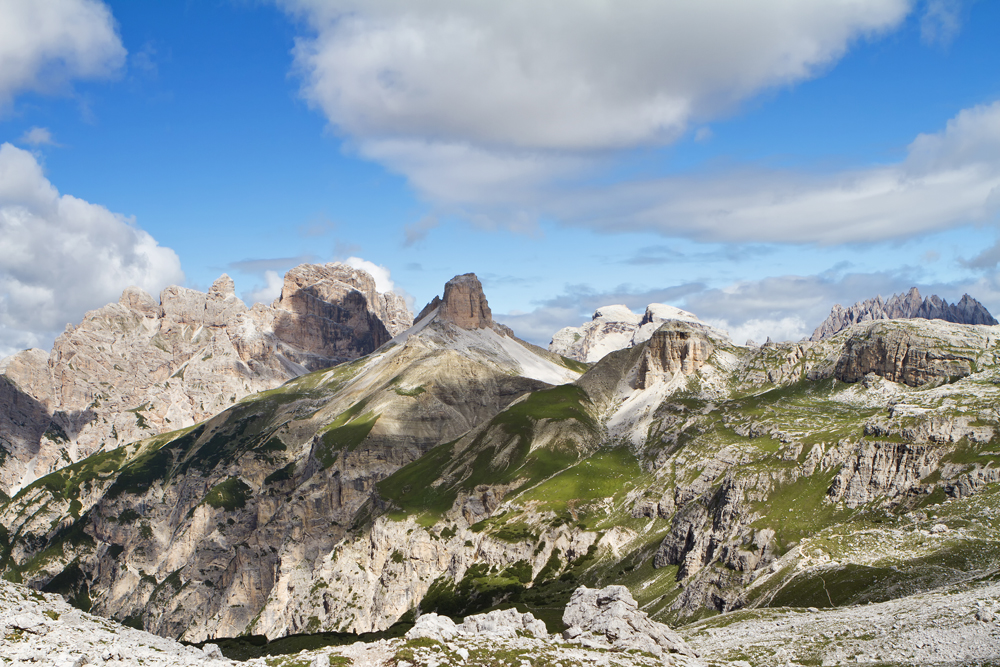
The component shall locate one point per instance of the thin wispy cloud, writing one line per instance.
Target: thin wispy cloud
(38, 136)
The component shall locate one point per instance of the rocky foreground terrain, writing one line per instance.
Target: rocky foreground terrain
(957, 625)
(800, 494)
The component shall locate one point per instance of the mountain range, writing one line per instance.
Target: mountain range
(452, 468)
(904, 306)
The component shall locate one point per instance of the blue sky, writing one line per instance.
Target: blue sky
(751, 164)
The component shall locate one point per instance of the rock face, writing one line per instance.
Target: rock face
(904, 306)
(334, 313)
(899, 355)
(464, 303)
(137, 368)
(611, 617)
(886, 469)
(614, 328)
(676, 347)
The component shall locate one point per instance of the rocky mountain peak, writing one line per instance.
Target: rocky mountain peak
(464, 303)
(616, 313)
(674, 347)
(137, 367)
(904, 306)
(614, 328)
(140, 301)
(222, 287)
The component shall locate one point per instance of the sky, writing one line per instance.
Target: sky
(753, 163)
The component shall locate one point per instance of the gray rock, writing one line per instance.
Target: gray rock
(212, 652)
(904, 306)
(503, 623)
(507, 623)
(611, 617)
(433, 626)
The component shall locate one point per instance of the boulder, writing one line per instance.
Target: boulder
(504, 623)
(609, 617)
(433, 626)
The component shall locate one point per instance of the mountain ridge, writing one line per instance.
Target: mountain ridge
(903, 306)
(137, 367)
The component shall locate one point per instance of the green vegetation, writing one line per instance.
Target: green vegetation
(280, 475)
(415, 391)
(607, 473)
(55, 433)
(345, 433)
(499, 455)
(574, 365)
(66, 483)
(483, 587)
(230, 495)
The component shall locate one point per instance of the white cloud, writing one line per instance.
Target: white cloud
(38, 136)
(758, 331)
(507, 112)
(562, 74)
(43, 45)
(270, 291)
(941, 21)
(383, 279)
(63, 256)
(947, 179)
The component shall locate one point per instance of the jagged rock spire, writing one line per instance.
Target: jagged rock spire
(904, 306)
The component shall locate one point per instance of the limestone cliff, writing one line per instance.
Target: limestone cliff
(137, 367)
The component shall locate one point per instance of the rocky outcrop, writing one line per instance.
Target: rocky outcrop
(609, 617)
(904, 306)
(900, 355)
(334, 314)
(43, 629)
(138, 368)
(464, 303)
(508, 623)
(676, 347)
(882, 469)
(614, 328)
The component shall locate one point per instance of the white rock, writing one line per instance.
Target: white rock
(433, 626)
(212, 652)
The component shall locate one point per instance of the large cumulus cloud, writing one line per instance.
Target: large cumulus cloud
(63, 256)
(563, 74)
(43, 45)
(508, 112)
